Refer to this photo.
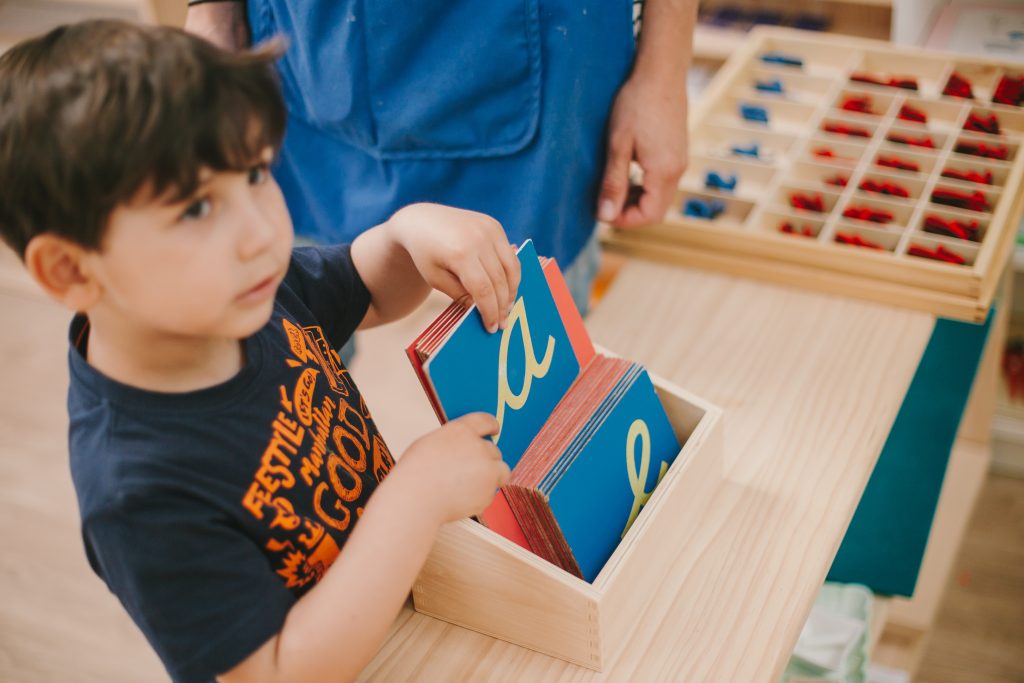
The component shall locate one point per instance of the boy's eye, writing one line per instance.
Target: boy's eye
(258, 174)
(196, 210)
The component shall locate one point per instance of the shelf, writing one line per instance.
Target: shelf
(968, 466)
(860, 18)
(901, 641)
(909, 621)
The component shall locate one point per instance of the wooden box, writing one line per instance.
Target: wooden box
(482, 581)
(801, 154)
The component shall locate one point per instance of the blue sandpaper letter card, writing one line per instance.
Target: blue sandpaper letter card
(518, 374)
(600, 493)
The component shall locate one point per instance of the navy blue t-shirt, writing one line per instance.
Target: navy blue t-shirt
(209, 513)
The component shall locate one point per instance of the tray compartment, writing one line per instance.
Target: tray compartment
(974, 227)
(734, 210)
(966, 251)
(899, 211)
(981, 79)
(752, 178)
(885, 65)
(720, 141)
(845, 151)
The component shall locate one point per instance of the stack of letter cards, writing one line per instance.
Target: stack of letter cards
(585, 435)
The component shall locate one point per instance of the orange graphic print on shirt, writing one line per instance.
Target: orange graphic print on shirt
(323, 459)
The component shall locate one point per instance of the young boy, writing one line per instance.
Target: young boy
(221, 453)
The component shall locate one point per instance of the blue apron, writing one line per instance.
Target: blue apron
(499, 106)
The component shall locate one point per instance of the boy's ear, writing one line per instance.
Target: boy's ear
(57, 264)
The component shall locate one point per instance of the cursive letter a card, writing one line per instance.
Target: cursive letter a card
(517, 374)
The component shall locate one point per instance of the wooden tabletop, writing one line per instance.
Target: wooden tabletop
(810, 385)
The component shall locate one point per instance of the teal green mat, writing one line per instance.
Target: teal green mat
(885, 543)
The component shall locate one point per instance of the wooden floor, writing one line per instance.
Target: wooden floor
(979, 635)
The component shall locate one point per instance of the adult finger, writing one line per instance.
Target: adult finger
(659, 189)
(615, 183)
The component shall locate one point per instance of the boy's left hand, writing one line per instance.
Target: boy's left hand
(461, 253)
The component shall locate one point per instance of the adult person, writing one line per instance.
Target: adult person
(529, 111)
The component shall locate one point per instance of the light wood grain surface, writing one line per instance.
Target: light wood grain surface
(810, 385)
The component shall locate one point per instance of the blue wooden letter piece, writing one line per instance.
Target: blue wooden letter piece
(752, 150)
(781, 59)
(700, 208)
(754, 112)
(713, 180)
(773, 86)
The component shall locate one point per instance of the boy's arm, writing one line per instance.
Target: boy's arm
(424, 246)
(222, 23)
(333, 631)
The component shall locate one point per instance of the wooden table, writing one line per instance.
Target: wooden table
(810, 385)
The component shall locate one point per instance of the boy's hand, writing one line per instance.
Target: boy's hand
(455, 469)
(333, 631)
(461, 253)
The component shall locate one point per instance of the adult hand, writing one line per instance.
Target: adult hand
(648, 125)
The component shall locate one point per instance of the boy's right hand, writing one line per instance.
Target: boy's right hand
(455, 468)
(461, 253)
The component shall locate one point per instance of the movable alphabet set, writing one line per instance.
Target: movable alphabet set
(855, 166)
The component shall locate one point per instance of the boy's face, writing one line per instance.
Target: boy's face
(208, 266)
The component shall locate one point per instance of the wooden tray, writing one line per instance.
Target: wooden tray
(482, 581)
(746, 239)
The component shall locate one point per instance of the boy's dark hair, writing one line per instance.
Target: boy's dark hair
(91, 113)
